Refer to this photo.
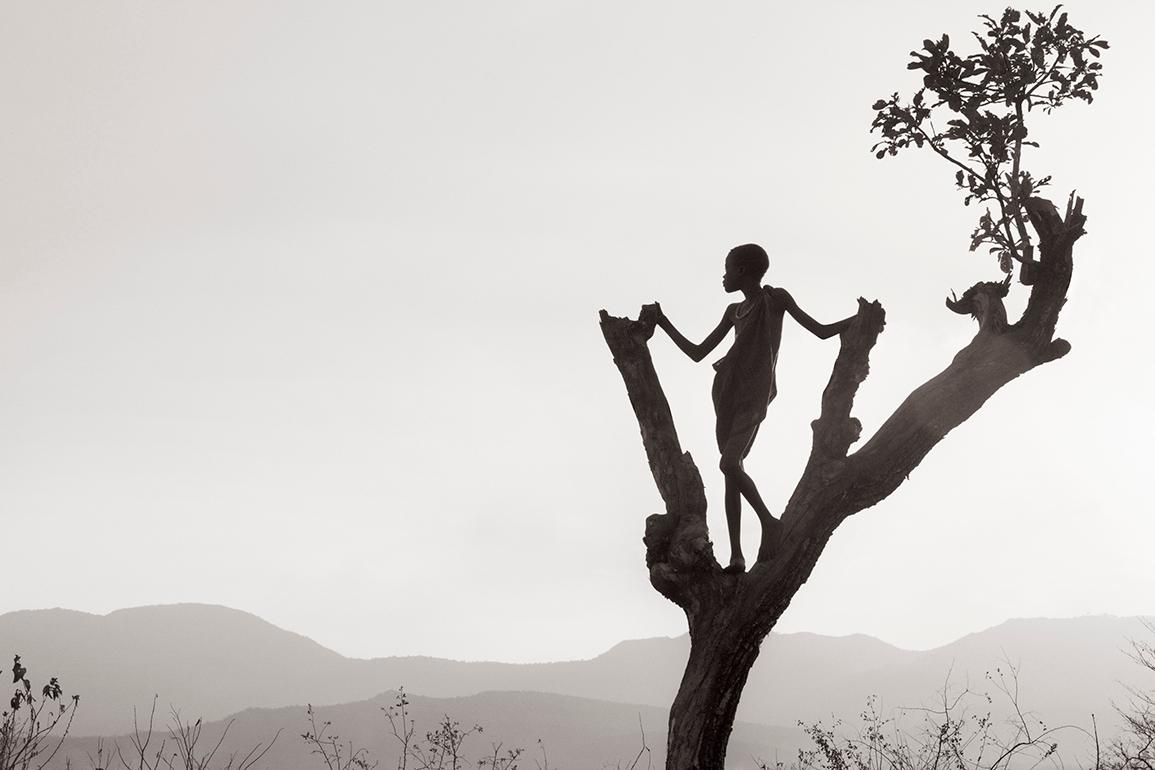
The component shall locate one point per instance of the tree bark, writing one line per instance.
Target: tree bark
(702, 714)
(729, 615)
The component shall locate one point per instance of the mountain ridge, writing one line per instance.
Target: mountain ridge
(213, 660)
(851, 636)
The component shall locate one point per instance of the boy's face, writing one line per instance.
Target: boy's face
(732, 278)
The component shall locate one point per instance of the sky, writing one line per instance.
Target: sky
(298, 314)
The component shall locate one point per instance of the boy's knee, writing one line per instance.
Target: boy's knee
(729, 464)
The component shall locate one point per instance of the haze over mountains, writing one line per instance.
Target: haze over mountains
(213, 661)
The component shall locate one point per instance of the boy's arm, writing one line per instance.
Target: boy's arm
(821, 331)
(695, 352)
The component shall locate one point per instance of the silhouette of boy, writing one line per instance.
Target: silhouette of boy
(744, 382)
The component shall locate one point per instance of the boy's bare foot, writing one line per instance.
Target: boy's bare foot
(737, 566)
(771, 534)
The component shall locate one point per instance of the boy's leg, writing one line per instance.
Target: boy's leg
(734, 525)
(733, 450)
(736, 449)
(770, 525)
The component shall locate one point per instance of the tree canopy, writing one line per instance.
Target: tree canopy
(972, 110)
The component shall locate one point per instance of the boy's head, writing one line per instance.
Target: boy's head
(745, 264)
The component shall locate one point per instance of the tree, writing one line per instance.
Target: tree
(1022, 66)
(1135, 748)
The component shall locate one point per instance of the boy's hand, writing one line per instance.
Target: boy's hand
(650, 317)
(652, 313)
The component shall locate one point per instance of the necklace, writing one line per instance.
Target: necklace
(738, 311)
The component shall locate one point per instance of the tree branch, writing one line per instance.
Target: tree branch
(678, 549)
(1057, 236)
(835, 430)
(992, 359)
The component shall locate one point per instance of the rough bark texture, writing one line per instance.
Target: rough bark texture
(730, 615)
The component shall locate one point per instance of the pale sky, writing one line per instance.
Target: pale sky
(298, 314)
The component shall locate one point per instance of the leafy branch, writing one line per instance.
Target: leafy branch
(1024, 62)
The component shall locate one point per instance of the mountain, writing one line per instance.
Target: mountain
(213, 661)
(576, 733)
(209, 660)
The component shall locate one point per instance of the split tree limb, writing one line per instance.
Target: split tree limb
(678, 549)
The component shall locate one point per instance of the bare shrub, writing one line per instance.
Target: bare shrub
(34, 727)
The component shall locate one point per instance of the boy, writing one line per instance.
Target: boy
(744, 383)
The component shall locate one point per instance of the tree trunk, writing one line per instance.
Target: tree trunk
(729, 615)
(702, 715)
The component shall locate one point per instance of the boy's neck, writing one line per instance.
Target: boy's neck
(752, 290)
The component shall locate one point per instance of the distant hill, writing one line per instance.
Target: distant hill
(577, 733)
(212, 661)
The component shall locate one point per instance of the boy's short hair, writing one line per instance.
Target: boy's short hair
(752, 257)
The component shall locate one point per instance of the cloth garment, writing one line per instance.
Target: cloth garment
(744, 379)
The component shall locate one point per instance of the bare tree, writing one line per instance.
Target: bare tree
(327, 746)
(1135, 749)
(981, 101)
(442, 748)
(181, 750)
